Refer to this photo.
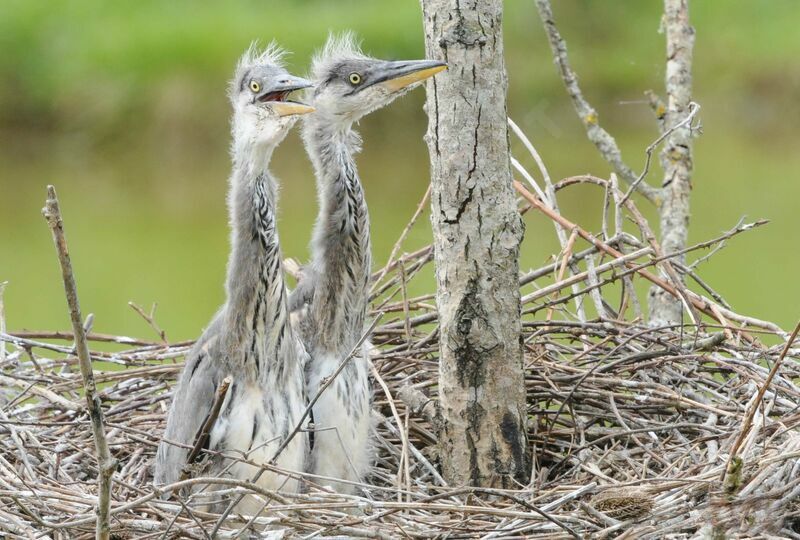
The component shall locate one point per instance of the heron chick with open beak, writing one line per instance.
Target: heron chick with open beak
(250, 339)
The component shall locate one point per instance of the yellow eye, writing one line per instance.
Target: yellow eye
(255, 86)
(355, 78)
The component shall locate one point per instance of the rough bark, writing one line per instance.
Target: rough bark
(676, 156)
(477, 232)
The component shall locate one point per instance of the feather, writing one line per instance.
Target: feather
(338, 48)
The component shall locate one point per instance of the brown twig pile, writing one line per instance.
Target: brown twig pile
(634, 431)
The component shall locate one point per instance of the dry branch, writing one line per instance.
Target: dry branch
(105, 462)
(675, 124)
(603, 140)
(201, 439)
(700, 303)
(756, 403)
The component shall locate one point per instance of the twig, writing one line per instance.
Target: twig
(748, 419)
(594, 288)
(105, 462)
(527, 176)
(698, 303)
(530, 507)
(694, 108)
(628, 290)
(45, 393)
(2, 322)
(150, 318)
(567, 253)
(396, 248)
(406, 309)
(201, 439)
(740, 226)
(69, 336)
(549, 196)
(396, 415)
(579, 492)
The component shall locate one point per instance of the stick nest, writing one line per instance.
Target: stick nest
(631, 427)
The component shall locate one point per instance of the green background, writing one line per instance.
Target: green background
(122, 106)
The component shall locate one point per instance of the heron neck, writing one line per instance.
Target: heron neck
(331, 143)
(257, 329)
(341, 238)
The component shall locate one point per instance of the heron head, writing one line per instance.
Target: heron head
(260, 93)
(349, 84)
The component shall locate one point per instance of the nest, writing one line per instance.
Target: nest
(634, 431)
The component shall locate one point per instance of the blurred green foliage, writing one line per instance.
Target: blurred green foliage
(122, 105)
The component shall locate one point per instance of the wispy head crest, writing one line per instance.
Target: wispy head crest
(256, 56)
(344, 46)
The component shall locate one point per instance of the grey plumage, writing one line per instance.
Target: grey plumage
(332, 295)
(250, 338)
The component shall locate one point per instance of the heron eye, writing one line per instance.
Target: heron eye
(255, 86)
(355, 78)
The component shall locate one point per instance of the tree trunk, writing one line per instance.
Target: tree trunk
(676, 157)
(477, 231)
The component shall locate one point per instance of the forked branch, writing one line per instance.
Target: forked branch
(601, 138)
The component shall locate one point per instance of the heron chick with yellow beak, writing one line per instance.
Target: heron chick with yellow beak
(331, 299)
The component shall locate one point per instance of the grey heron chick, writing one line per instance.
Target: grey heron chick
(332, 295)
(250, 338)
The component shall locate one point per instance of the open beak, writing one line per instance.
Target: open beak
(277, 96)
(395, 76)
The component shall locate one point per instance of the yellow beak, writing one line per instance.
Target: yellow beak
(288, 108)
(402, 81)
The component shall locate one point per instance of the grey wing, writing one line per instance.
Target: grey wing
(191, 404)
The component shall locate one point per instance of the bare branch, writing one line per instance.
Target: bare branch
(601, 138)
(2, 322)
(748, 419)
(44, 393)
(201, 439)
(150, 319)
(106, 464)
(551, 199)
(696, 301)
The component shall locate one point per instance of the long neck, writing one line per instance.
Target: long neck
(258, 332)
(341, 238)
